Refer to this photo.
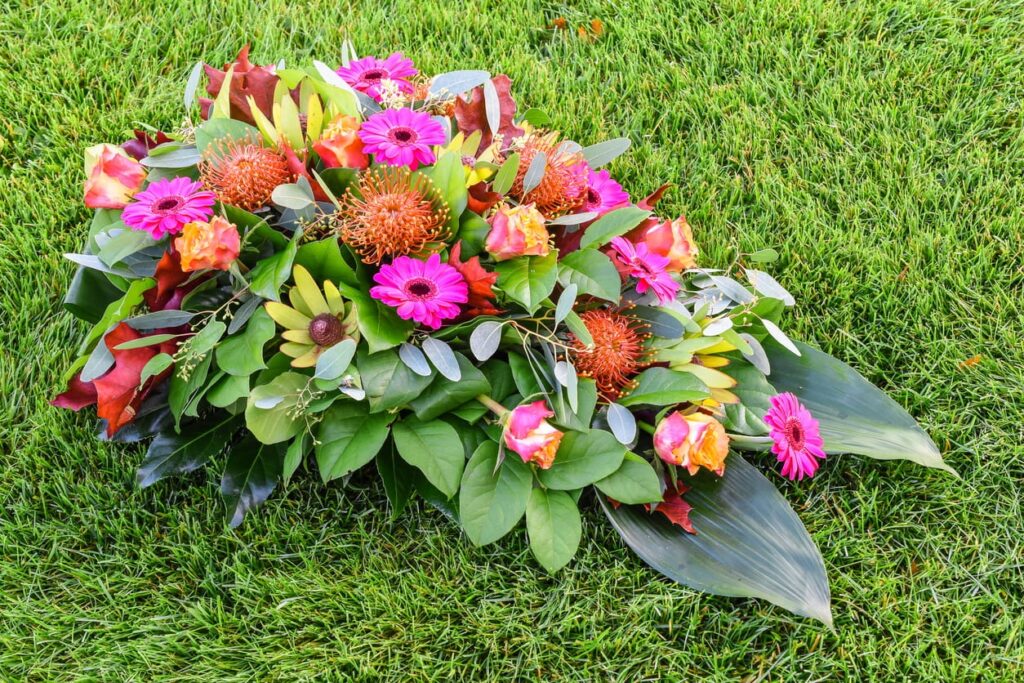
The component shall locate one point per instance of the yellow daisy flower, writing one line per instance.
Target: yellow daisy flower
(315, 320)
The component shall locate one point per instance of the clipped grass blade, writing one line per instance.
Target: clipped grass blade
(749, 543)
(855, 416)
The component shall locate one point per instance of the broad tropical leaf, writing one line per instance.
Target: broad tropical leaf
(749, 543)
(855, 416)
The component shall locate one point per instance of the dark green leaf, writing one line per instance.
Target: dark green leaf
(398, 478)
(664, 387)
(433, 448)
(89, 294)
(592, 272)
(749, 543)
(492, 502)
(528, 280)
(854, 415)
(171, 453)
(250, 475)
(271, 273)
(324, 261)
(444, 395)
(349, 438)
(634, 482)
(388, 382)
(582, 459)
(553, 523)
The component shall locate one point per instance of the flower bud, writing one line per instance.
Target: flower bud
(339, 144)
(112, 177)
(208, 245)
(530, 435)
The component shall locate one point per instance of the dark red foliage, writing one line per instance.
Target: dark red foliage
(139, 146)
(481, 296)
(481, 199)
(79, 394)
(675, 508)
(471, 115)
(171, 285)
(648, 202)
(246, 80)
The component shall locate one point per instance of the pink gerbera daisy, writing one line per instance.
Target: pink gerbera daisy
(366, 74)
(649, 269)
(425, 291)
(603, 193)
(797, 442)
(165, 206)
(401, 137)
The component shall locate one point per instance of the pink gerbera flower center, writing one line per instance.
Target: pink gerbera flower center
(402, 135)
(373, 75)
(169, 204)
(794, 433)
(421, 288)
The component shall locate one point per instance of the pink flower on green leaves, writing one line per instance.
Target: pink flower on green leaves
(797, 441)
(401, 137)
(366, 74)
(165, 206)
(529, 434)
(649, 269)
(603, 193)
(428, 292)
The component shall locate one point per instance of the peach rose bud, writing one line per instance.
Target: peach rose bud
(530, 435)
(208, 245)
(673, 240)
(692, 441)
(517, 231)
(111, 177)
(340, 146)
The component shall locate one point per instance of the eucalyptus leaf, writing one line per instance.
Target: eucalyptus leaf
(333, 362)
(414, 359)
(455, 83)
(602, 153)
(622, 423)
(443, 358)
(485, 339)
(534, 173)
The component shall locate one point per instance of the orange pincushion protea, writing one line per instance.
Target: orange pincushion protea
(244, 175)
(392, 212)
(564, 184)
(618, 352)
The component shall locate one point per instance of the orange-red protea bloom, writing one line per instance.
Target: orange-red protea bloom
(564, 184)
(618, 352)
(244, 175)
(392, 212)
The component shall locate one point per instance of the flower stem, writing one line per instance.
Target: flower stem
(493, 405)
(649, 428)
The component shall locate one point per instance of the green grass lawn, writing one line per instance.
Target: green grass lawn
(878, 145)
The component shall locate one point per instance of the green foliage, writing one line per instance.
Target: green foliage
(242, 354)
(493, 498)
(553, 522)
(349, 438)
(582, 459)
(270, 411)
(528, 280)
(433, 448)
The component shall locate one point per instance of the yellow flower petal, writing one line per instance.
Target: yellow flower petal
(308, 360)
(310, 291)
(300, 336)
(714, 379)
(713, 361)
(298, 303)
(723, 396)
(286, 316)
(334, 300)
(294, 349)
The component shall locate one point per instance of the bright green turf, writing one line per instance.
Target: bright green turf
(877, 144)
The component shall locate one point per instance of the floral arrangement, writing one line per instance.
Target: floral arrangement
(343, 266)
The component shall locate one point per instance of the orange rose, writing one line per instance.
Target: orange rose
(208, 245)
(671, 239)
(692, 441)
(517, 231)
(339, 145)
(111, 177)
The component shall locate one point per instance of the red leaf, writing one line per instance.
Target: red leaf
(648, 202)
(471, 115)
(171, 284)
(246, 80)
(119, 392)
(79, 394)
(139, 146)
(675, 508)
(481, 296)
(481, 199)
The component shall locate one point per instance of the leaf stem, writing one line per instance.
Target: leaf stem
(649, 428)
(493, 405)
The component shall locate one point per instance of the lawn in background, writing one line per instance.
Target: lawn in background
(878, 145)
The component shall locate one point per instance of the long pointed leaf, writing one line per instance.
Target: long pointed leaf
(749, 543)
(855, 416)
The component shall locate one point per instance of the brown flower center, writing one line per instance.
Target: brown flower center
(326, 330)
(373, 75)
(403, 135)
(794, 432)
(421, 288)
(168, 204)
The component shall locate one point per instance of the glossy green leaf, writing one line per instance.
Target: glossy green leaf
(450, 182)
(612, 224)
(755, 393)
(242, 354)
(378, 323)
(749, 542)
(592, 272)
(444, 395)
(553, 523)
(250, 476)
(172, 453)
(854, 415)
(433, 448)
(388, 382)
(582, 459)
(663, 387)
(324, 261)
(492, 499)
(349, 438)
(268, 413)
(271, 273)
(398, 478)
(528, 280)
(634, 482)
